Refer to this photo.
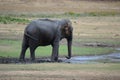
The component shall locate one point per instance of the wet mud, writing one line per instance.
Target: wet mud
(106, 58)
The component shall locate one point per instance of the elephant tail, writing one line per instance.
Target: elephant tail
(26, 34)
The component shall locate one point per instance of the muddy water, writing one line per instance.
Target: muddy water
(108, 58)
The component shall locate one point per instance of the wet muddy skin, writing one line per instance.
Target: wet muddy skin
(106, 58)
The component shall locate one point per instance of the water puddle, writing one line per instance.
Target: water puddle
(107, 58)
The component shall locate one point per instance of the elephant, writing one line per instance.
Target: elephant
(43, 32)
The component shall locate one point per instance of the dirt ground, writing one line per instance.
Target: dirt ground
(59, 75)
(55, 6)
(51, 71)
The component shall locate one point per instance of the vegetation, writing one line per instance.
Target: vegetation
(59, 71)
(9, 19)
(86, 30)
(22, 18)
(12, 48)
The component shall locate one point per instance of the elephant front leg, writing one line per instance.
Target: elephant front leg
(55, 49)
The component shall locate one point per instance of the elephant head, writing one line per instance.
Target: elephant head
(67, 32)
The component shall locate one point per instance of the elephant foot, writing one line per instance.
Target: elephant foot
(32, 59)
(22, 60)
(68, 57)
(54, 59)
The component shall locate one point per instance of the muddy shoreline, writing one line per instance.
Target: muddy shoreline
(106, 58)
(103, 58)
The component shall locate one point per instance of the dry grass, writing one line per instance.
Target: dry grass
(11, 31)
(59, 75)
(54, 71)
(84, 27)
(55, 6)
(101, 29)
(97, 27)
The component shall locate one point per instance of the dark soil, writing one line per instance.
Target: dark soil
(106, 58)
(4, 60)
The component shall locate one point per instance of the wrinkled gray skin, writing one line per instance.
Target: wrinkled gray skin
(43, 32)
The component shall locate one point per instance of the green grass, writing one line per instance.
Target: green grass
(12, 48)
(10, 19)
(20, 18)
(91, 50)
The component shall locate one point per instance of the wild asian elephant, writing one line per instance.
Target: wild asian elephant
(43, 32)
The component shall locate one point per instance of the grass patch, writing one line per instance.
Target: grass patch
(10, 19)
(90, 14)
(103, 13)
(20, 18)
(12, 48)
(82, 51)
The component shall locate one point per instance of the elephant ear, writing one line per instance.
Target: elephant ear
(65, 27)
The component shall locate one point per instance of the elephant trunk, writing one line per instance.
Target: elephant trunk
(69, 44)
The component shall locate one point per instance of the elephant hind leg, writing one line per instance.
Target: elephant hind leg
(24, 48)
(33, 45)
(32, 53)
